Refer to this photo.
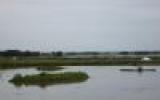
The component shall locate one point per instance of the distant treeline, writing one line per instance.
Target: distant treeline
(60, 53)
(140, 53)
(28, 53)
(116, 53)
(120, 53)
(19, 53)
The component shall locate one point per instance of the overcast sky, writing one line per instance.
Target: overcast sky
(80, 25)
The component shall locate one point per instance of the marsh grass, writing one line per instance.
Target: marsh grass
(44, 79)
(34, 62)
(49, 68)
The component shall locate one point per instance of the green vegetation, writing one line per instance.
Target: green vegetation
(20, 62)
(43, 79)
(49, 68)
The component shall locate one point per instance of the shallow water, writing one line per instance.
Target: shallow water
(104, 83)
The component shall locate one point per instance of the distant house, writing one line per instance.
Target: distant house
(14, 58)
(146, 59)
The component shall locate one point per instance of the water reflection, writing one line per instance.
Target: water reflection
(104, 83)
(1, 72)
(41, 85)
(138, 71)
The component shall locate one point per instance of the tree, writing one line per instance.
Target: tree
(59, 53)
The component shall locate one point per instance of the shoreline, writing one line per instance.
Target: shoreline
(26, 62)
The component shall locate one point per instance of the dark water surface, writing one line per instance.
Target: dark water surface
(105, 83)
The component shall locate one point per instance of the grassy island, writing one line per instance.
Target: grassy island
(44, 79)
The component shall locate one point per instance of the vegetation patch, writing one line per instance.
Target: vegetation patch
(28, 62)
(43, 79)
(49, 68)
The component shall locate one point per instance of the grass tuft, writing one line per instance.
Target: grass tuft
(43, 79)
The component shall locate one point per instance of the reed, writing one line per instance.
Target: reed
(43, 79)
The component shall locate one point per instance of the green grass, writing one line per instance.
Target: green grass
(43, 79)
(8, 63)
(49, 68)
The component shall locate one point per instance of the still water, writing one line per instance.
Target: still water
(105, 83)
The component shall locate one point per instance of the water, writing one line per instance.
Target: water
(104, 83)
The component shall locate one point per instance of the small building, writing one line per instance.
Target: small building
(146, 59)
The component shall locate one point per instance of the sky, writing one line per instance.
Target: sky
(80, 25)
